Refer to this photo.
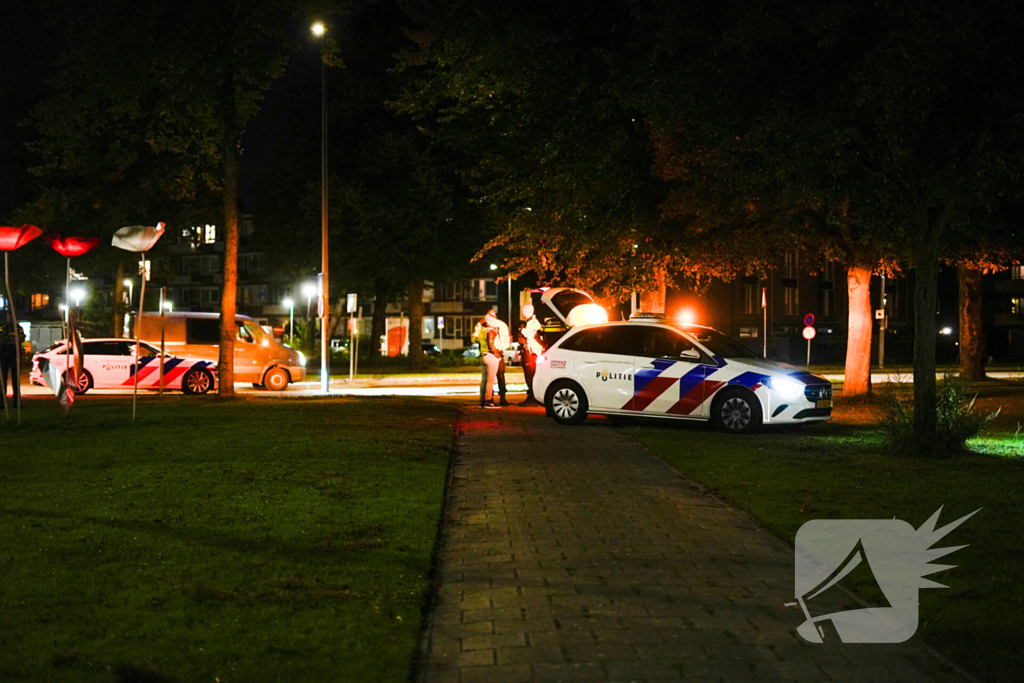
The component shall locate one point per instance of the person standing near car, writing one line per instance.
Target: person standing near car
(10, 346)
(486, 335)
(529, 348)
(502, 341)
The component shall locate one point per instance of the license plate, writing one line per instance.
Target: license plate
(827, 403)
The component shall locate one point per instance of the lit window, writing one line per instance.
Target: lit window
(748, 331)
(40, 301)
(792, 300)
(210, 234)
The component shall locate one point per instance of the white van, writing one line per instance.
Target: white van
(259, 358)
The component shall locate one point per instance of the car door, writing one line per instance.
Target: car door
(668, 374)
(103, 361)
(604, 364)
(247, 353)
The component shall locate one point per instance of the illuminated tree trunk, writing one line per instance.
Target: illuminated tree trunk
(858, 340)
(972, 334)
(654, 302)
(416, 320)
(226, 367)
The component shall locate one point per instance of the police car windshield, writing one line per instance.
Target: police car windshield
(720, 345)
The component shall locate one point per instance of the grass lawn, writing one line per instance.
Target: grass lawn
(248, 540)
(841, 470)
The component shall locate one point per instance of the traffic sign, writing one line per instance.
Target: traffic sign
(351, 303)
(809, 333)
(879, 314)
(809, 319)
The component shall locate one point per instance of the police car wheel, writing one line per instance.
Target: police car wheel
(738, 412)
(566, 403)
(276, 379)
(84, 382)
(197, 381)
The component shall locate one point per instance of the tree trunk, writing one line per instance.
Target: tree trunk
(857, 380)
(972, 334)
(119, 305)
(925, 331)
(226, 367)
(377, 327)
(416, 321)
(654, 302)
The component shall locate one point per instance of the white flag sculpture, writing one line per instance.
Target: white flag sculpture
(138, 238)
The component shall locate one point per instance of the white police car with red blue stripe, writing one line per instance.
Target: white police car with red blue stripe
(649, 366)
(110, 364)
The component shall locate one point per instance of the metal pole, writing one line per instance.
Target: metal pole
(163, 325)
(351, 348)
(881, 329)
(325, 381)
(67, 327)
(510, 304)
(138, 337)
(764, 311)
(808, 353)
(291, 325)
(359, 319)
(16, 385)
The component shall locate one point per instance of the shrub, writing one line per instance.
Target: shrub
(956, 421)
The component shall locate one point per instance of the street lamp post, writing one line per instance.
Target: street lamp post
(291, 320)
(318, 31)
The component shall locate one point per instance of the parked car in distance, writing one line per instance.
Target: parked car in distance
(511, 354)
(110, 364)
(431, 349)
(472, 352)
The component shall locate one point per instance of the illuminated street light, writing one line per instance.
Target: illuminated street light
(308, 291)
(77, 293)
(130, 284)
(319, 30)
(169, 306)
(291, 320)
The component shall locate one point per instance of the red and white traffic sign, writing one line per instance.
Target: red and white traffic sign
(809, 333)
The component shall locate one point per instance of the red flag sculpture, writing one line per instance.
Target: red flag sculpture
(11, 239)
(69, 247)
(140, 239)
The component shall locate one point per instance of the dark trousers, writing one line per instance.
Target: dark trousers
(501, 377)
(529, 368)
(8, 367)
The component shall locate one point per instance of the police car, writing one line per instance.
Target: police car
(654, 367)
(110, 364)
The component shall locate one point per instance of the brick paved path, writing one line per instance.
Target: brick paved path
(571, 553)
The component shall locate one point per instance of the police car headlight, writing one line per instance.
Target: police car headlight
(302, 359)
(786, 387)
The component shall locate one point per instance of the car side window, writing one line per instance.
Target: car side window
(124, 348)
(95, 349)
(618, 340)
(659, 342)
(244, 333)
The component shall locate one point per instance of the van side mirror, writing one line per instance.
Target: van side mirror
(690, 354)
